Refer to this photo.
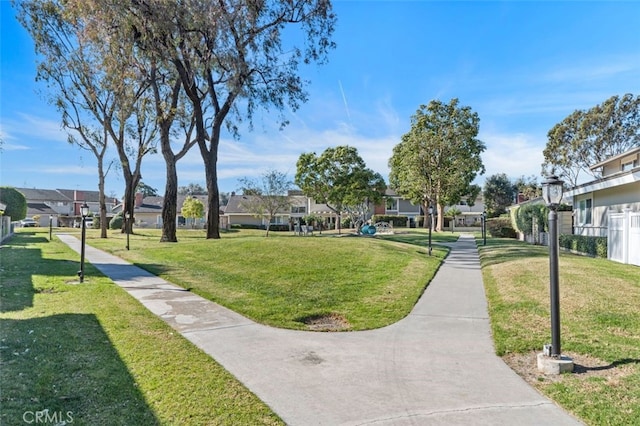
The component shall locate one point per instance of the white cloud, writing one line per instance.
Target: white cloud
(513, 154)
(36, 128)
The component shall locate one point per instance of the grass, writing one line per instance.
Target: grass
(285, 280)
(600, 319)
(91, 354)
(93, 351)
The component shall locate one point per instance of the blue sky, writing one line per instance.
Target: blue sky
(522, 66)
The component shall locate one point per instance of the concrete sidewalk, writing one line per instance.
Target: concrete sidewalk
(435, 367)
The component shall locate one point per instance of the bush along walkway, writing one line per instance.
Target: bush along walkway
(435, 366)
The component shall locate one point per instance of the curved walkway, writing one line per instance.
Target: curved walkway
(437, 366)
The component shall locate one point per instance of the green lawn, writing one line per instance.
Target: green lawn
(286, 280)
(95, 352)
(92, 354)
(600, 319)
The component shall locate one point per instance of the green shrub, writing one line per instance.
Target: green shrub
(15, 202)
(246, 226)
(500, 227)
(591, 246)
(526, 215)
(116, 222)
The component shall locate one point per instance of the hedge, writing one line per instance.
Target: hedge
(592, 246)
(15, 202)
(500, 227)
(525, 216)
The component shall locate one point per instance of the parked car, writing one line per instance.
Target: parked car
(26, 222)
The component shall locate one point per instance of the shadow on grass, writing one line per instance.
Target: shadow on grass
(501, 250)
(67, 365)
(420, 239)
(581, 369)
(19, 263)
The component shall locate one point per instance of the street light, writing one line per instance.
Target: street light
(84, 212)
(552, 194)
(484, 227)
(127, 216)
(50, 225)
(430, 226)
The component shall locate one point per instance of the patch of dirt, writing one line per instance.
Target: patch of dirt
(585, 366)
(328, 322)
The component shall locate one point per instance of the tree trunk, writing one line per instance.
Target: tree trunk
(101, 197)
(440, 209)
(213, 200)
(170, 203)
(211, 171)
(131, 182)
(427, 222)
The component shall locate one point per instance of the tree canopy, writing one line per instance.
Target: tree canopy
(192, 208)
(192, 189)
(498, 194)
(208, 65)
(268, 196)
(439, 157)
(16, 204)
(587, 137)
(339, 178)
(146, 190)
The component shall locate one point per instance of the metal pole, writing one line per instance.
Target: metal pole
(127, 228)
(484, 229)
(50, 226)
(553, 281)
(81, 273)
(430, 226)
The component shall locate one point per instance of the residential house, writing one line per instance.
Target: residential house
(237, 213)
(62, 205)
(609, 206)
(394, 205)
(147, 212)
(470, 214)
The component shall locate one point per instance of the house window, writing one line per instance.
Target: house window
(392, 204)
(298, 209)
(584, 212)
(629, 165)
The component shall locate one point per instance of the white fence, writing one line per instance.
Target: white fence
(6, 229)
(624, 237)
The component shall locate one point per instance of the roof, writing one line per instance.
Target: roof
(235, 203)
(60, 195)
(33, 194)
(610, 181)
(615, 158)
(40, 209)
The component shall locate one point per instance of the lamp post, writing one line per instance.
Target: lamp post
(84, 212)
(50, 226)
(127, 216)
(430, 226)
(552, 194)
(484, 227)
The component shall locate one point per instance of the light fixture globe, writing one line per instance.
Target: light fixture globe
(552, 190)
(84, 209)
